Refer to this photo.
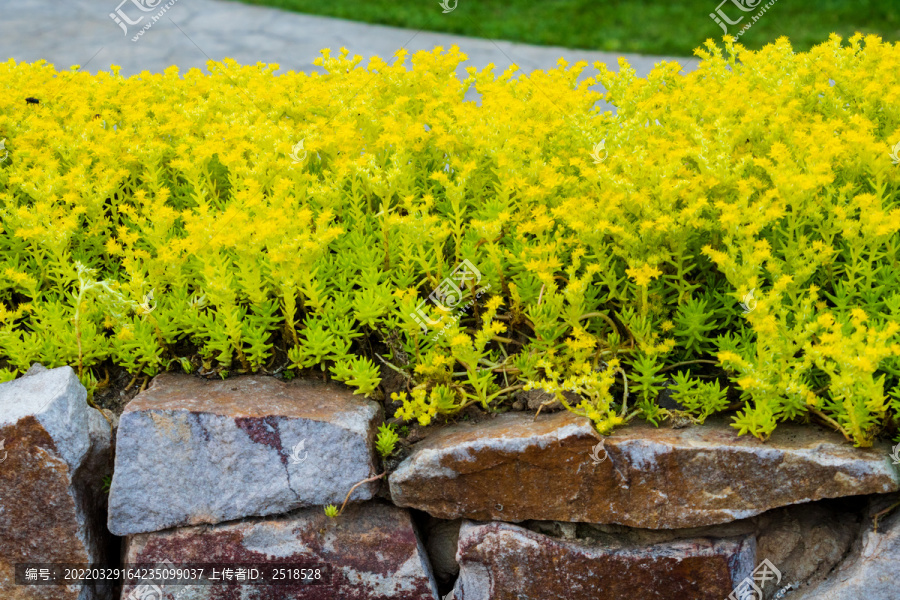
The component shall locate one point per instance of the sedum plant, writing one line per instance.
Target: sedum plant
(745, 247)
(386, 440)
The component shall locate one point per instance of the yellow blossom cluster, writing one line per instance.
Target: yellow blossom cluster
(740, 221)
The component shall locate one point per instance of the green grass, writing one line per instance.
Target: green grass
(670, 27)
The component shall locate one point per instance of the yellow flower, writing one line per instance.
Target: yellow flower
(644, 274)
(460, 339)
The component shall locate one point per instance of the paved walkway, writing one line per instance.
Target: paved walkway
(190, 32)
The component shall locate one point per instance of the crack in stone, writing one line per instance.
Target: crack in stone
(284, 462)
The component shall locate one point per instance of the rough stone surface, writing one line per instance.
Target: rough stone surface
(55, 453)
(441, 542)
(539, 399)
(373, 550)
(513, 469)
(502, 561)
(871, 570)
(804, 542)
(192, 451)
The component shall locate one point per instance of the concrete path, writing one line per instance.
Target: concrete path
(191, 32)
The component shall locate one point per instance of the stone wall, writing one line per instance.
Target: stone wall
(237, 472)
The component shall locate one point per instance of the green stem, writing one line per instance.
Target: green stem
(625, 395)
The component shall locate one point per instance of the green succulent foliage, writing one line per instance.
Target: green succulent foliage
(693, 322)
(316, 345)
(699, 399)
(643, 266)
(386, 440)
(444, 398)
(371, 303)
(741, 341)
(645, 380)
(358, 372)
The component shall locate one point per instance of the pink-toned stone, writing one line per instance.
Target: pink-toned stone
(500, 561)
(373, 550)
(55, 454)
(513, 468)
(192, 451)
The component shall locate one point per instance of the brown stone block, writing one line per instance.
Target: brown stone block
(514, 469)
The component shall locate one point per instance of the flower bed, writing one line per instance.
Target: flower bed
(370, 220)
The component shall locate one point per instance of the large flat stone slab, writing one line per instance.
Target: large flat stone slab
(500, 561)
(55, 453)
(192, 451)
(513, 469)
(372, 550)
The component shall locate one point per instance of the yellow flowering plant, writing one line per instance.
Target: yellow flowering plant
(739, 253)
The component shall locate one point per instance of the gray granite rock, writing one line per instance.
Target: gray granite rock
(192, 451)
(55, 454)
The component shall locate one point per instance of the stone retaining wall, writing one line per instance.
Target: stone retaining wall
(237, 472)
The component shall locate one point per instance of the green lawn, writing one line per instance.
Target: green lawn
(672, 27)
